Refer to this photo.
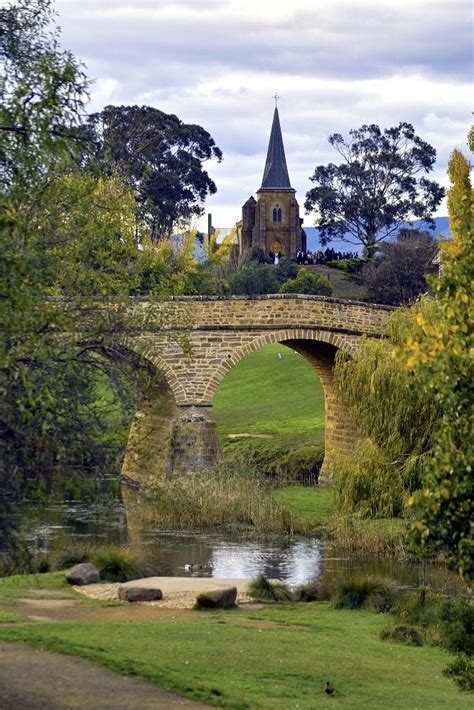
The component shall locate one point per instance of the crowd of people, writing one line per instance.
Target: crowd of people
(316, 257)
(321, 257)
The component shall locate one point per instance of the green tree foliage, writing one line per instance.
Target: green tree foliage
(160, 157)
(440, 353)
(377, 187)
(394, 415)
(224, 274)
(307, 281)
(398, 274)
(42, 92)
(67, 239)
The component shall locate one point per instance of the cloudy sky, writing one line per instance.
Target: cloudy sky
(336, 64)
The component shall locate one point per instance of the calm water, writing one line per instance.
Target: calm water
(220, 553)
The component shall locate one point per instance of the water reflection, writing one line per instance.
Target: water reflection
(218, 553)
(294, 562)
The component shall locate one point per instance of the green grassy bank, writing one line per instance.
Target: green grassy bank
(275, 657)
(278, 397)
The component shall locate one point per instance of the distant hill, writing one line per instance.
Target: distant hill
(312, 233)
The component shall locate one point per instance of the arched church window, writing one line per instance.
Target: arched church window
(275, 214)
(279, 214)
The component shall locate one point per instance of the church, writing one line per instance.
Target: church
(272, 221)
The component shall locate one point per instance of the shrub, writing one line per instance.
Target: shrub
(383, 536)
(43, 563)
(403, 633)
(263, 590)
(461, 670)
(314, 591)
(71, 556)
(254, 279)
(362, 592)
(116, 564)
(349, 266)
(365, 483)
(309, 282)
(421, 609)
(284, 466)
(457, 626)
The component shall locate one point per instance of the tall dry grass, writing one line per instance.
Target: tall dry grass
(232, 492)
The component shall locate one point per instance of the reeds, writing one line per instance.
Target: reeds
(228, 493)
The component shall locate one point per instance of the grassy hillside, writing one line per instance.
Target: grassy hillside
(342, 284)
(265, 394)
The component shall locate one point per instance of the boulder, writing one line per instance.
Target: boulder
(139, 594)
(84, 573)
(217, 599)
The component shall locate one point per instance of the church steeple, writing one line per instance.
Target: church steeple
(275, 175)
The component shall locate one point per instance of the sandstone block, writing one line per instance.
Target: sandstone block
(139, 594)
(217, 599)
(82, 574)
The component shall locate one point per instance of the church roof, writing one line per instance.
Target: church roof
(275, 175)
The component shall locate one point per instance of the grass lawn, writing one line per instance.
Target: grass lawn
(276, 657)
(311, 508)
(265, 394)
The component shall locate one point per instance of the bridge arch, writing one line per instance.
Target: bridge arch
(319, 348)
(288, 336)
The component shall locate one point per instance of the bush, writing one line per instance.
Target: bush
(314, 591)
(261, 589)
(362, 592)
(421, 609)
(72, 556)
(116, 564)
(253, 280)
(461, 670)
(349, 266)
(403, 633)
(43, 563)
(383, 536)
(282, 465)
(365, 483)
(457, 626)
(308, 282)
(397, 276)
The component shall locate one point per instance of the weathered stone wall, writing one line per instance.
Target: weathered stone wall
(196, 341)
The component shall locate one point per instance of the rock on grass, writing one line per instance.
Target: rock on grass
(84, 573)
(140, 594)
(217, 599)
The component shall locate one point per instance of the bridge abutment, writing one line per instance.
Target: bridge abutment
(194, 445)
(340, 434)
(150, 436)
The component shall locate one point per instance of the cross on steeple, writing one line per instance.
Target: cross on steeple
(276, 97)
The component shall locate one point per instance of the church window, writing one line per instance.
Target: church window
(277, 213)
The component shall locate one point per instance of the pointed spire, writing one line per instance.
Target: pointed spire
(275, 175)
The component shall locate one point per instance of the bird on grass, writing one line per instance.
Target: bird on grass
(328, 688)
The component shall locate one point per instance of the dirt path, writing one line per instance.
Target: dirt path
(31, 679)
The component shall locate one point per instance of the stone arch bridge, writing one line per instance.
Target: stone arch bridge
(195, 341)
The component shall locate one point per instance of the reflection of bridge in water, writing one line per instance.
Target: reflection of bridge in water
(195, 341)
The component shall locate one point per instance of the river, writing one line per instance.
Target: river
(227, 552)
